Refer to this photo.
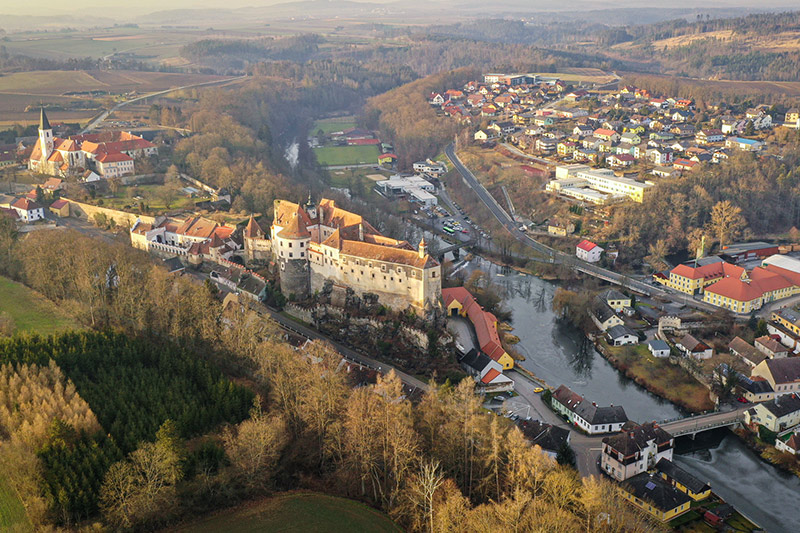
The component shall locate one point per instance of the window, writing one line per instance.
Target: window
(301, 244)
(290, 245)
(290, 254)
(302, 254)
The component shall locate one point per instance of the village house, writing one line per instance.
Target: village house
(746, 351)
(655, 496)
(560, 228)
(551, 439)
(682, 480)
(27, 210)
(635, 450)
(771, 347)
(620, 335)
(690, 346)
(658, 348)
(587, 415)
(588, 251)
(488, 373)
(782, 374)
(790, 445)
(616, 300)
(603, 315)
(778, 414)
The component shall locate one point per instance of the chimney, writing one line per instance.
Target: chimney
(361, 231)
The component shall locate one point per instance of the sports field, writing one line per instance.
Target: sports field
(30, 310)
(12, 513)
(328, 125)
(297, 512)
(347, 155)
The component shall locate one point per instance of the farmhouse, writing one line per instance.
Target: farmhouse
(588, 416)
(459, 301)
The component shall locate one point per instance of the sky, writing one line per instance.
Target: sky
(140, 7)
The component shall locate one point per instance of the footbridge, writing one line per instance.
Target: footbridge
(454, 248)
(692, 425)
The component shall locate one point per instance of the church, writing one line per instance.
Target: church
(109, 154)
(313, 244)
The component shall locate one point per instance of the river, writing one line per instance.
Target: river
(559, 354)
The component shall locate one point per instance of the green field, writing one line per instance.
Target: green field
(12, 513)
(304, 512)
(347, 155)
(329, 125)
(30, 310)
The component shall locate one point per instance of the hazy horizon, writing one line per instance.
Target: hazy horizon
(143, 7)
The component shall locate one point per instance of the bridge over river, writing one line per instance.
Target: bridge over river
(692, 425)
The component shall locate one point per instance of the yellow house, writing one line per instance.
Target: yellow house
(385, 159)
(788, 318)
(566, 148)
(458, 301)
(60, 208)
(682, 480)
(616, 300)
(693, 279)
(655, 496)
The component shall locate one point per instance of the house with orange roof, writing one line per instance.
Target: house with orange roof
(27, 210)
(458, 301)
(195, 238)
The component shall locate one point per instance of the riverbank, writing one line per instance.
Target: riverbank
(657, 376)
(768, 453)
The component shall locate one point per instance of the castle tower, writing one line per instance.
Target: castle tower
(291, 250)
(311, 209)
(423, 248)
(45, 135)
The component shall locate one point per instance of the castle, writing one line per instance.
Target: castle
(110, 154)
(313, 244)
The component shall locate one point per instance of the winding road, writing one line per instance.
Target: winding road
(551, 255)
(105, 114)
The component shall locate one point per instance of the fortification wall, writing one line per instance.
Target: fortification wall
(122, 218)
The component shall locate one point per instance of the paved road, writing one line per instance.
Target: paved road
(99, 120)
(551, 255)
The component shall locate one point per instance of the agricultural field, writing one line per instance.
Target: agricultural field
(329, 125)
(12, 513)
(347, 155)
(304, 512)
(30, 311)
(367, 176)
(77, 96)
(589, 75)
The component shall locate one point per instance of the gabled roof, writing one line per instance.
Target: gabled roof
(635, 438)
(783, 405)
(253, 230)
(692, 344)
(654, 490)
(25, 204)
(746, 350)
(617, 332)
(735, 289)
(784, 370)
(587, 245)
(673, 471)
(58, 204)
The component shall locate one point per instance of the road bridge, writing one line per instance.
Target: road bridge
(454, 248)
(692, 425)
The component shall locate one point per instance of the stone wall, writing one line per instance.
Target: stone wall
(331, 314)
(122, 218)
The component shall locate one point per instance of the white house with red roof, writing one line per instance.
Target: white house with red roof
(588, 251)
(27, 209)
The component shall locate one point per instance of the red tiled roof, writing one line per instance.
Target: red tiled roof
(113, 158)
(587, 245)
(710, 271)
(58, 204)
(735, 289)
(489, 376)
(485, 323)
(25, 204)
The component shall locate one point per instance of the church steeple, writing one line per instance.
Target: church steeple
(423, 248)
(46, 140)
(44, 124)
